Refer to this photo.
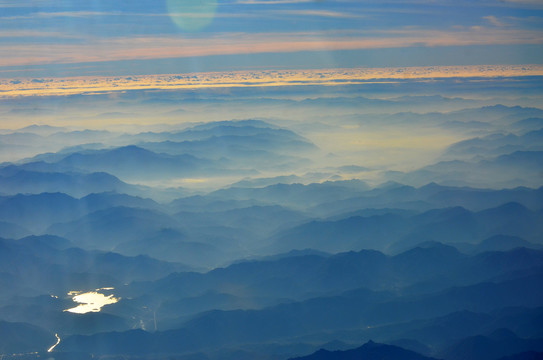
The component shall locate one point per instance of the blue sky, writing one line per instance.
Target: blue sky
(73, 37)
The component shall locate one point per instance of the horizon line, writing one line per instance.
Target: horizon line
(88, 84)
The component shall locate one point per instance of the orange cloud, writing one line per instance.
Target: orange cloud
(330, 77)
(159, 47)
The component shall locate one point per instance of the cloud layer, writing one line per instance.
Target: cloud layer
(70, 86)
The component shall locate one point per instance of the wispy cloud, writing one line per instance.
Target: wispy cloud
(159, 47)
(37, 34)
(320, 13)
(61, 14)
(495, 21)
(272, 2)
(94, 14)
(23, 4)
(476, 35)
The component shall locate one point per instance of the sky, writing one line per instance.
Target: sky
(51, 38)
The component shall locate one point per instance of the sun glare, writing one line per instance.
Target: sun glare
(192, 16)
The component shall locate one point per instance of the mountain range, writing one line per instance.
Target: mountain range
(293, 234)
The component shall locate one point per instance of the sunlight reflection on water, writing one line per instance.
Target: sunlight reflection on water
(91, 301)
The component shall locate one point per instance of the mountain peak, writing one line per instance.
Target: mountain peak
(368, 351)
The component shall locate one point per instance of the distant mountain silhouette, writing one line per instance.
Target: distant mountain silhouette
(495, 145)
(497, 112)
(41, 129)
(12, 231)
(500, 343)
(73, 184)
(243, 140)
(48, 263)
(262, 182)
(519, 167)
(353, 309)
(315, 274)
(173, 245)
(133, 162)
(496, 243)
(45, 241)
(17, 338)
(204, 203)
(369, 351)
(112, 226)
(399, 231)
(445, 261)
(37, 212)
(295, 195)
(528, 355)
(427, 197)
(342, 235)
(215, 148)
(104, 200)
(259, 221)
(533, 123)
